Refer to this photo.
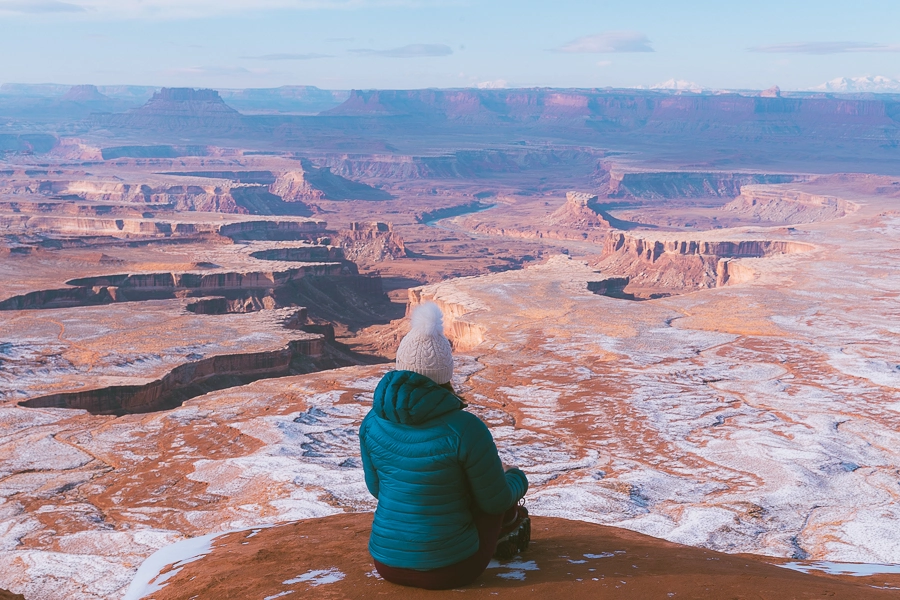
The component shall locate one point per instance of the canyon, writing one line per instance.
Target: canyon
(674, 311)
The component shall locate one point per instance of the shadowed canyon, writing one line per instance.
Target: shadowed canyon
(677, 312)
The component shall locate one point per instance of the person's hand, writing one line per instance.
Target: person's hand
(507, 467)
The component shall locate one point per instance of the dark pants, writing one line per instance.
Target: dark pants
(458, 574)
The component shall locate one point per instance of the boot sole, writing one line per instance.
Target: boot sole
(514, 543)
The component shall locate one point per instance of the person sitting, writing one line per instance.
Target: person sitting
(444, 496)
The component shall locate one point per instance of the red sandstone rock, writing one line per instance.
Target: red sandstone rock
(328, 558)
(577, 212)
(371, 242)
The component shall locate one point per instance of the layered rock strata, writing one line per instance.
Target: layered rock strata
(43, 219)
(657, 185)
(578, 213)
(779, 205)
(462, 164)
(371, 242)
(191, 379)
(578, 219)
(104, 289)
(674, 264)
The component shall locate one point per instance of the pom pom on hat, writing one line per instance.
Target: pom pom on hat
(425, 350)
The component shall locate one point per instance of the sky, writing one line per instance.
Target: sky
(388, 44)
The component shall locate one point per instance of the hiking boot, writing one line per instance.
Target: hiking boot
(514, 538)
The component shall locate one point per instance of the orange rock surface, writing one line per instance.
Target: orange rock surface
(328, 558)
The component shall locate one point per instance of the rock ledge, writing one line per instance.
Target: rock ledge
(327, 558)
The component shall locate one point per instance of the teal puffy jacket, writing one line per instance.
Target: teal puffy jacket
(429, 463)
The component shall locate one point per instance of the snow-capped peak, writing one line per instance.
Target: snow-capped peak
(876, 84)
(677, 84)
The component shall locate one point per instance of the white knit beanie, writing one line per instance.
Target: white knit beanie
(425, 349)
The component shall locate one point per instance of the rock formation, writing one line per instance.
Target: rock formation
(370, 242)
(577, 219)
(294, 187)
(236, 192)
(180, 109)
(105, 289)
(328, 558)
(782, 205)
(686, 184)
(577, 212)
(85, 94)
(676, 265)
(654, 113)
(334, 187)
(461, 164)
(193, 379)
(463, 334)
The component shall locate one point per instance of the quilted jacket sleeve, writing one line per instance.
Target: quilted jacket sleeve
(494, 491)
(369, 469)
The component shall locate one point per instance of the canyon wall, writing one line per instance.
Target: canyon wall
(618, 110)
(788, 206)
(452, 211)
(41, 220)
(223, 197)
(105, 289)
(302, 254)
(678, 265)
(186, 381)
(650, 250)
(463, 164)
(577, 219)
(371, 242)
(463, 334)
(248, 192)
(680, 184)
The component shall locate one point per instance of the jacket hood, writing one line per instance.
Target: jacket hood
(409, 398)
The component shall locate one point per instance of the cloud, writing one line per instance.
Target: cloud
(825, 47)
(496, 84)
(176, 9)
(50, 6)
(608, 42)
(310, 56)
(409, 51)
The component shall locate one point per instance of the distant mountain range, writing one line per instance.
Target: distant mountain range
(859, 85)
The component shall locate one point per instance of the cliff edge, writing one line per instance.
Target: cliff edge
(328, 558)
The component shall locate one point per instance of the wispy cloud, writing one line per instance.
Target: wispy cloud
(288, 56)
(608, 42)
(178, 9)
(825, 47)
(51, 6)
(409, 51)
